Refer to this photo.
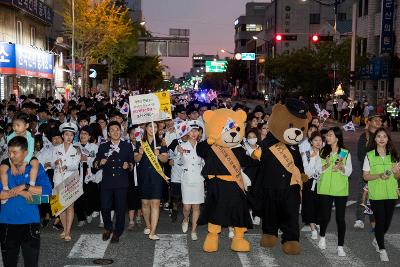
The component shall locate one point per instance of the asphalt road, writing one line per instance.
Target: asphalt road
(177, 249)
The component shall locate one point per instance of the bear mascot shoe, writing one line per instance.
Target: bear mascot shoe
(279, 179)
(226, 201)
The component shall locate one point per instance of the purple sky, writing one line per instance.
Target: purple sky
(210, 23)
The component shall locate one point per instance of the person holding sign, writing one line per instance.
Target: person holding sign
(115, 159)
(66, 163)
(334, 186)
(151, 177)
(19, 216)
(380, 169)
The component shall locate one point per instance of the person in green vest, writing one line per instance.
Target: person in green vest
(334, 186)
(381, 171)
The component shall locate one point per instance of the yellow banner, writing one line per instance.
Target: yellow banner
(165, 102)
(153, 159)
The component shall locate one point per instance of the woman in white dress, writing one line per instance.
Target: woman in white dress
(66, 160)
(192, 182)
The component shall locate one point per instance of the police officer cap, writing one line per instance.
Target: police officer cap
(68, 127)
(296, 107)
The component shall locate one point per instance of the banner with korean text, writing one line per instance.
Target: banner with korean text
(66, 194)
(150, 107)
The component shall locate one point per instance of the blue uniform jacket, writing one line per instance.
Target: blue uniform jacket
(114, 176)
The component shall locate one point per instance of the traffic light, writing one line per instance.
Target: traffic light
(278, 37)
(315, 38)
(285, 37)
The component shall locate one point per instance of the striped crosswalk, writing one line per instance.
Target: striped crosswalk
(177, 250)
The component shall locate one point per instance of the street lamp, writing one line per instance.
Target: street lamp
(142, 23)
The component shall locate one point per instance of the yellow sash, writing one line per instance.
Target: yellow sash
(153, 159)
(231, 163)
(282, 153)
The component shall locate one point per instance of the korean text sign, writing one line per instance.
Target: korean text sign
(25, 61)
(150, 107)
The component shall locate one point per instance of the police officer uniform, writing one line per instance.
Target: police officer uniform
(114, 185)
(69, 159)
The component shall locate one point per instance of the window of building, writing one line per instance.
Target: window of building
(33, 36)
(253, 27)
(315, 18)
(18, 32)
(341, 16)
(379, 6)
(364, 47)
(243, 42)
(365, 7)
(360, 8)
(243, 27)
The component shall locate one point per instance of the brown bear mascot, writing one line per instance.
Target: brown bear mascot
(226, 201)
(279, 179)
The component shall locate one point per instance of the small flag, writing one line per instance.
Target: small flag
(349, 127)
(125, 109)
(324, 114)
(230, 124)
(317, 108)
(181, 129)
(139, 134)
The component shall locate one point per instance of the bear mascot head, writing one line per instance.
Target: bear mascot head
(289, 122)
(224, 127)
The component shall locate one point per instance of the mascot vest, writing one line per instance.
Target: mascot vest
(333, 183)
(380, 189)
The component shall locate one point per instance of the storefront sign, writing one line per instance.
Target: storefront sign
(25, 61)
(387, 34)
(36, 8)
(150, 107)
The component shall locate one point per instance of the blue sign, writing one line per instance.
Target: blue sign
(387, 34)
(248, 56)
(36, 8)
(377, 69)
(25, 61)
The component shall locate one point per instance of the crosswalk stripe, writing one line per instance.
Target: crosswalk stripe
(330, 253)
(258, 256)
(393, 239)
(89, 247)
(171, 250)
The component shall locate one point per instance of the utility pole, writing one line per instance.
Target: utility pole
(353, 50)
(73, 46)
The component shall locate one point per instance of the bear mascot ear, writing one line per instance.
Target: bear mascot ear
(207, 117)
(242, 116)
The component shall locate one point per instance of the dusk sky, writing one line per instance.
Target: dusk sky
(211, 24)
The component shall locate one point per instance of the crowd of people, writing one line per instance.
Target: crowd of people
(92, 137)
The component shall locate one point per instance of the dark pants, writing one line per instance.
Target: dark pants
(282, 212)
(383, 212)
(88, 202)
(309, 203)
(14, 237)
(118, 195)
(325, 213)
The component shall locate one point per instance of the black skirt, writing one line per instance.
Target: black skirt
(225, 205)
(134, 202)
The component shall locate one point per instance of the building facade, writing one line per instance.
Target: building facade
(378, 29)
(26, 64)
(248, 25)
(135, 10)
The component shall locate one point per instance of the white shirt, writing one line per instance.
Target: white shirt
(89, 150)
(313, 166)
(192, 165)
(304, 146)
(70, 159)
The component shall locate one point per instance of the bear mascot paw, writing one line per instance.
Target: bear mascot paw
(226, 202)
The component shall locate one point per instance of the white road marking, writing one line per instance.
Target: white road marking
(81, 265)
(171, 251)
(89, 247)
(258, 256)
(330, 253)
(350, 202)
(393, 239)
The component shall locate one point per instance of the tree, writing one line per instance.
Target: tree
(237, 70)
(100, 33)
(309, 71)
